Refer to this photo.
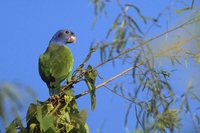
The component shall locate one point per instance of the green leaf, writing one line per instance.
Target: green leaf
(50, 130)
(16, 124)
(186, 8)
(90, 78)
(32, 128)
(68, 127)
(103, 51)
(83, 114)
(11, 128)
(115, 23)
(39, 112)
(87, 128)
(31, 112)
(135, 24)
(68, 98)
(137, 10)
(183, 10)
(135, 66)
(47, 123)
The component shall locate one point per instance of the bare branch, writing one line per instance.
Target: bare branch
(110, 79)
(133, 100)
(88, 57)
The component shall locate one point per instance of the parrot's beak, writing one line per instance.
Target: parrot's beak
(72, 39)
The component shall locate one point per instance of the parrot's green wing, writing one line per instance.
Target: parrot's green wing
(55, 65)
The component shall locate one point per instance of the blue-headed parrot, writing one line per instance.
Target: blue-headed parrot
(56, 63)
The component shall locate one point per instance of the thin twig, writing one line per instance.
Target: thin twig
(88, 57)
(120, 6)
(191, 21)
(138, 119)
(115, 77)
(146, 42)
(122, 53)
(110, 79)
(126, 98)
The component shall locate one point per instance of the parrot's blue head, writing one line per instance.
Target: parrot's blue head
(62, 37)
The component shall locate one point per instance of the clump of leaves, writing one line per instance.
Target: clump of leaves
(90, 79)
(57, 114)
(167, 120)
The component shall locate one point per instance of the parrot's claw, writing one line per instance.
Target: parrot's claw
(54, 99)
(71, 86)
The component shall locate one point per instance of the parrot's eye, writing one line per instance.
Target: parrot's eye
(67, 32)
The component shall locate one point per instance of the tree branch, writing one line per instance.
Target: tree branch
(110, 79)
(146, 42)
(192, 20)
(133, 100)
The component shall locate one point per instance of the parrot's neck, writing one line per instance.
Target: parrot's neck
(58, 43)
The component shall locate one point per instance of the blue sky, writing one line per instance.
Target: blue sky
(25, 30)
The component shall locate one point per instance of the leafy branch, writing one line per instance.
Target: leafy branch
(191, 21)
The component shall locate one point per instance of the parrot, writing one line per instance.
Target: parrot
(56, 63)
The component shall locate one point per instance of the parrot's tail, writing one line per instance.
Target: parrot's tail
(53, 89)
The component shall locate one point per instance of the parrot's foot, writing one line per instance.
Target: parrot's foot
(54, 99)
(71, 86)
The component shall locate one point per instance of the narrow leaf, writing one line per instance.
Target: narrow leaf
(90, 78)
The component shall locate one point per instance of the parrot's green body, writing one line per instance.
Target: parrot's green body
(55, 65)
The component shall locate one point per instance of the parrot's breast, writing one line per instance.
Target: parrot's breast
(55, 64)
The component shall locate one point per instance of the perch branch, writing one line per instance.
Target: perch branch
(110, 79)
